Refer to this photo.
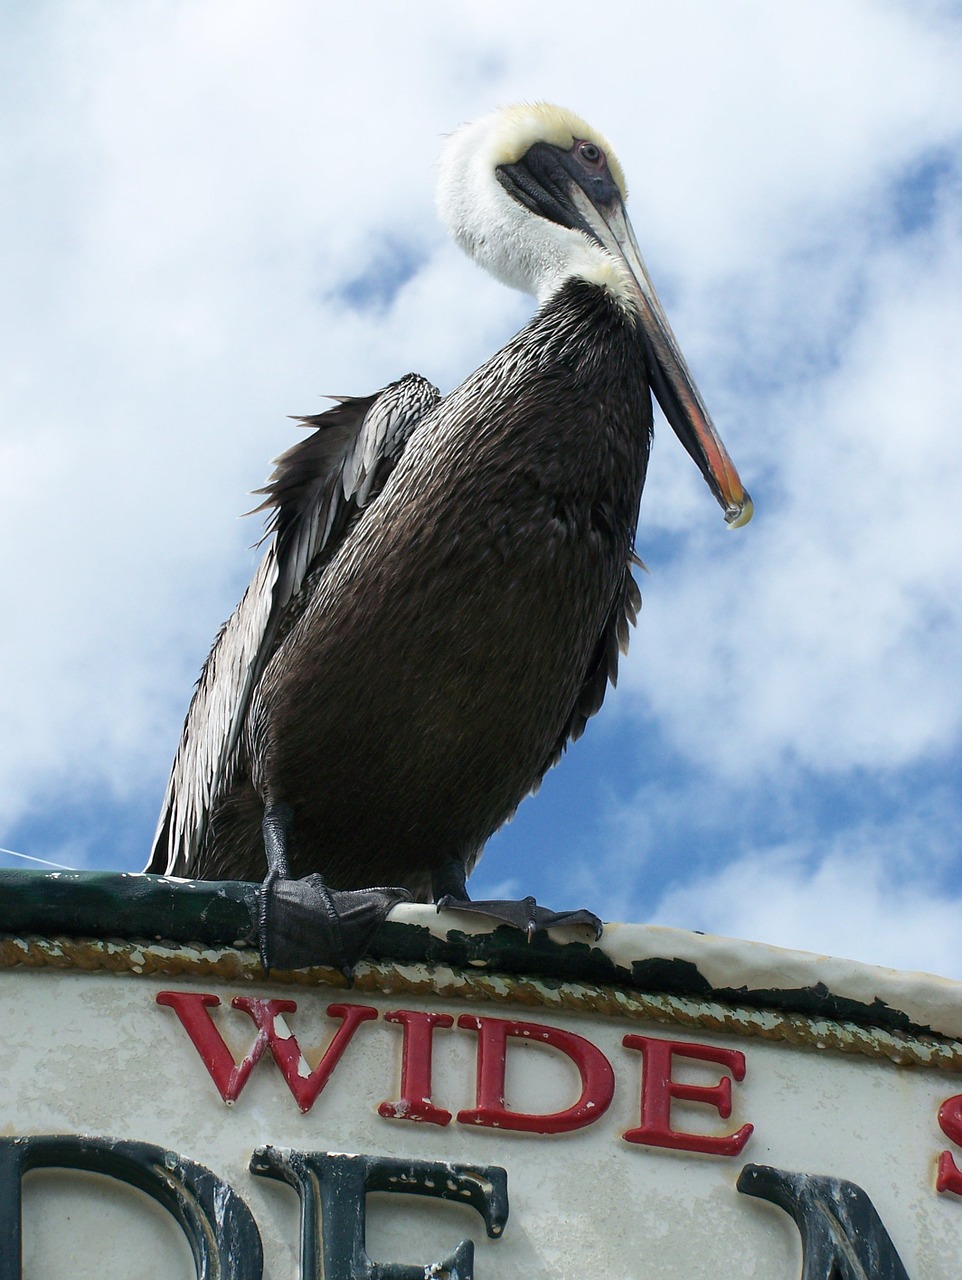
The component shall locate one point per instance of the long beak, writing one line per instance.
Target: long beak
(671, 381)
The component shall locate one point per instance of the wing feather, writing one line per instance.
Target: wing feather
(318, 490)
(603, 668)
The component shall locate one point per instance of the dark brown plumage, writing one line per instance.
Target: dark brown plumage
(467, 628)
(448, 584)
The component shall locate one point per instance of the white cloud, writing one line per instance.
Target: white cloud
(856, 899)
(190, 193)
(826, 634)
(745, 125)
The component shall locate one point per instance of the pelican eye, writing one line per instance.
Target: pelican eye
(591, 153)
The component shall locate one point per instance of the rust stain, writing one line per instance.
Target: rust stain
(182, 960)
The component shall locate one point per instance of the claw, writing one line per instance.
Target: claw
(531, 924)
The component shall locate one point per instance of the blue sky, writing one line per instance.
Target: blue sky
(214, 213)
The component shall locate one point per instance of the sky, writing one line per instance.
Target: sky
(215, 212)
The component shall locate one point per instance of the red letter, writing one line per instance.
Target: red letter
(950, 1122)
(304, 1083)
(658, 1089)
(415, 1100)
(597, 1077)
(229, 1076)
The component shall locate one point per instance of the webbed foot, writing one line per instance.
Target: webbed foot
(527, 915)
(303, 922)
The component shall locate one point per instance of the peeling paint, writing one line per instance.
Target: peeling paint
(183, 960)
(281, 1029)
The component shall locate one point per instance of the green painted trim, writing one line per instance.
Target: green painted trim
(110, 904)
(97, 904)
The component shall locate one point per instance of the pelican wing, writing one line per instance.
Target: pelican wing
(318, 490)
(603, 668)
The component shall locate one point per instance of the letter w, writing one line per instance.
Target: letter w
(272, 1031)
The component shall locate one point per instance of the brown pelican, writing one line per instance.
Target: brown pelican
(448, 582)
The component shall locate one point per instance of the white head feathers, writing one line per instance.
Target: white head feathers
(529, 253)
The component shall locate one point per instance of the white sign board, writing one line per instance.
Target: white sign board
(434, 1122)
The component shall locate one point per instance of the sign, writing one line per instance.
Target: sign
(464, 1110)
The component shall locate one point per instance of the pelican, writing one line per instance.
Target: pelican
(447, 584)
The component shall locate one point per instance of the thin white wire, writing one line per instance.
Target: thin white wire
(43, 861)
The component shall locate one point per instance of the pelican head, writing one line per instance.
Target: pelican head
(537, 198)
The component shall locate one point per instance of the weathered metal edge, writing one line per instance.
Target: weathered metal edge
(630, 958)
(191, 961)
